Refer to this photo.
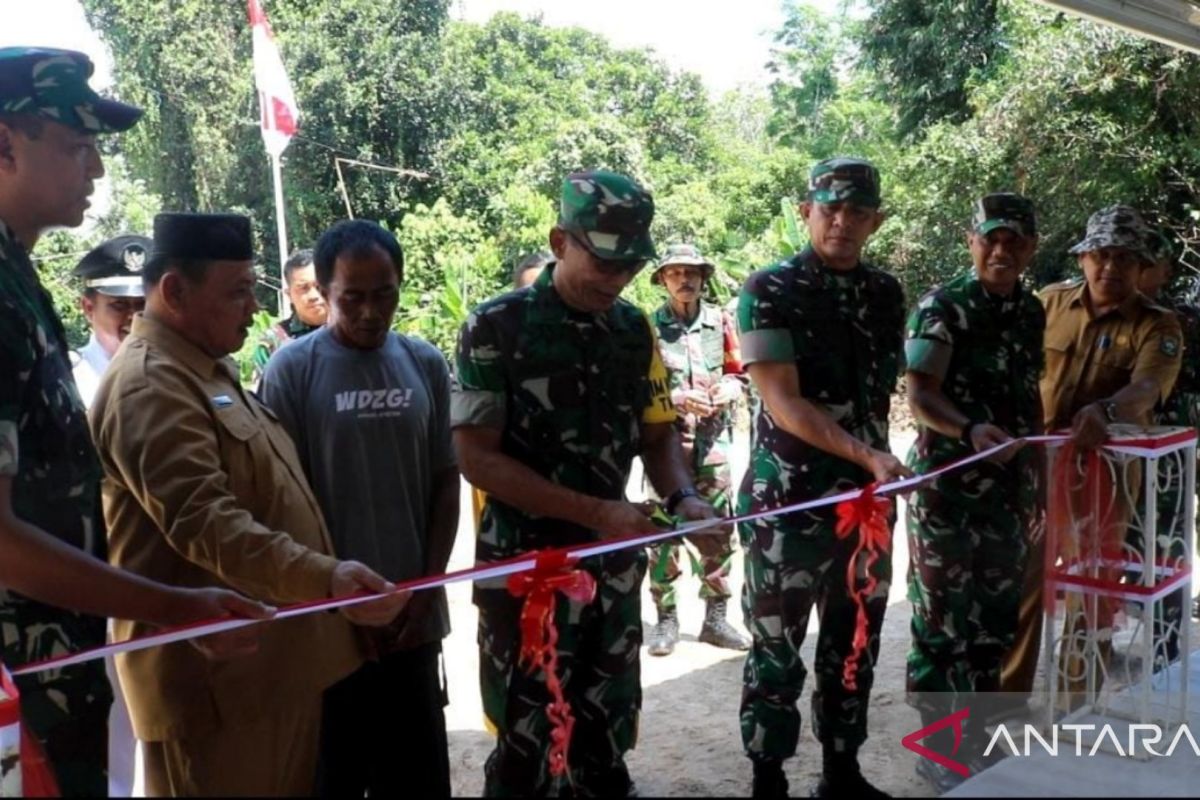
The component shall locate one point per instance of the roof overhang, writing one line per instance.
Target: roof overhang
(1173, 22)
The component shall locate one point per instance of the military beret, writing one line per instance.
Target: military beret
(53, 84)
(610, 212)
(1005, 210)
(115, 266)
(844, 180)
(203, 237)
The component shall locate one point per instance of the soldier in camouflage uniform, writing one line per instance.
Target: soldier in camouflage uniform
(822, 337)
(560, 386)
(308, 311)
(699, 347)
(1181, 408)
(974, 355)
(50, 519)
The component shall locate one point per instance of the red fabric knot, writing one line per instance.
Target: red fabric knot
(554, 572)
(868, 515)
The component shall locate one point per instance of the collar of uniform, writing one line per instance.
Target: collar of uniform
(1128, 309)
(980, 291)
(297, 327)
(180, 349)
(550, 309)
(709, 316)
(808, 256)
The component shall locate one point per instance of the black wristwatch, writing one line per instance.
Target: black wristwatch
(1109, 407)
(677, 497)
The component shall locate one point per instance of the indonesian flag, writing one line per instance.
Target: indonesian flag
(276, 103)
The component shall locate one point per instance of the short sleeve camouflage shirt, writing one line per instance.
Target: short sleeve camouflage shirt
(569, 391)
(46, 449)
(987, 351)
(844, 331)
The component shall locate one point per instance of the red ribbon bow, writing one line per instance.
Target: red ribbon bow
(868, 515)
(553, 572)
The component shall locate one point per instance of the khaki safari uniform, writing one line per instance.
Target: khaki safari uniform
(1088, 358)
(203, 487)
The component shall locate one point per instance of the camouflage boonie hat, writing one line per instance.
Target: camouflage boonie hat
(1005, 210)
(844, 180)
(53, 84)
(686, 255)
(611, 214)
(1117, 226)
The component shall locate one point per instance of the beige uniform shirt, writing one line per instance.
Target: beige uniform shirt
(204, 488)
(1090, 358)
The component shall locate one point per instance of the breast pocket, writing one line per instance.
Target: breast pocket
(1060, 347)
(1114, 367)
(241, 441)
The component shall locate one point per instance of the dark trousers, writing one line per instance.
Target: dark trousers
(383, 731)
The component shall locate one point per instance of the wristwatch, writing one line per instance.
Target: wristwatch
(1109, 407)
(678, 496)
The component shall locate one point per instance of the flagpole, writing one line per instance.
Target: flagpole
(285, 309)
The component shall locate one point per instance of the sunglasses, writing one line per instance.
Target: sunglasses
(610, 267)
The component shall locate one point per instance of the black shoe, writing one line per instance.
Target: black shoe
(665, 634)
(769, 780)
(940, 778)
(716, 629)
(852, 785)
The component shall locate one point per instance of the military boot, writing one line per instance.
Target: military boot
(717, 631)
(769, 780)
(665, 634)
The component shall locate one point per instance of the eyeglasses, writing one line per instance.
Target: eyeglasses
(610, 267)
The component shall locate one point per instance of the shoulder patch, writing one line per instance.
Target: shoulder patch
(1169, 346)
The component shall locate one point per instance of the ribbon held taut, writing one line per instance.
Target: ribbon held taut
(554, 572)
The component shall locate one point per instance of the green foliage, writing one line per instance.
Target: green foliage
(951, 99)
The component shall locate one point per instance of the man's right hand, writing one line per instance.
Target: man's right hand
(985, 436)
(885, 467)
(616, 518)
(350, 577)
(698, 403)
(197, 605)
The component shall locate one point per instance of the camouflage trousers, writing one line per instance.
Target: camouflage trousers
(792, 565)
(67, 709)
(964, 580)
(710, 554)
(600, 671)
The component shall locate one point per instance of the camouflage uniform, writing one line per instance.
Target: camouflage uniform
(967, 530)
(276, 337)
(569, 390)
(700, 355)
(46, 448)
(844, 332)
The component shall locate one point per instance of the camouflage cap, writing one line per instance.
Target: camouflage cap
(610, 212)
(844, 180)
(685, 255)
(1117, 226)
(53, 84)
(1005, 210)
